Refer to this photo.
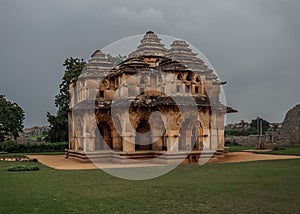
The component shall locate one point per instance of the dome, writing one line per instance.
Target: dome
(181, 52)
(97, 66)
(150, 46)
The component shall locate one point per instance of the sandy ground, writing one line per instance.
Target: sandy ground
(249, 156)
(60, 162)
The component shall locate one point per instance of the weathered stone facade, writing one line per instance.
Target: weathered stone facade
(289, 134)
(157, 101)
(251, 140)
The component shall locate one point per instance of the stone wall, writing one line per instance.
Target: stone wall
(247, 140)
(289, 134)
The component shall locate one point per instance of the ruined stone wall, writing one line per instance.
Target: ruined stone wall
(289, 134)
(251, 140)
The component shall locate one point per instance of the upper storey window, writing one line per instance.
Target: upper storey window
(189, 77)
(101, 94)
(179, 77)
(144, 80)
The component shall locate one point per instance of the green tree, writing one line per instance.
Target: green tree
(58, 131)
(265, 125)
(11, 119)
(115, 60)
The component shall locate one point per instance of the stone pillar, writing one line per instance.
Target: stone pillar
(116, 141)
(221, 139)
(89, 135)
(188, 140)
(214, 131)
(214, 139)
(89, 144)
(157, 141)
(206, 138)
(128, 142)
(70, 131)
(172, 141)
(157, 132)
(199, 142)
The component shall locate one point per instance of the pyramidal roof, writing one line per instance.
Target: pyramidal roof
(181, 52)
(150, 46)
(97, 66)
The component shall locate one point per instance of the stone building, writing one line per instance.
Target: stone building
(157, 103)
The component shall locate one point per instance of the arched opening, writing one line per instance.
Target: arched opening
(179, 77)
(189, 135)
(143, 139)
(189, 77)
(103, 137)
(143, 80)
(194, 138)
(183, 134)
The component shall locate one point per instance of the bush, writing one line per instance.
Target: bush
(13, 147)
(229, 143)
(20, 168)
(16, 157)
(278, 148)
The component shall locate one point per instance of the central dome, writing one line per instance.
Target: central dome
(150, 46)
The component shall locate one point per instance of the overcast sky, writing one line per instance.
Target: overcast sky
(254, 45)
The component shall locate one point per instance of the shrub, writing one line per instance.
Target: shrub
(20, 168)
(16, 157)
(13, 147)
(229, 143)
(279, 148)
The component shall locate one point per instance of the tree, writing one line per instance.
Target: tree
(11, 119)
(58, 131)
(265, 125)
(115, 60)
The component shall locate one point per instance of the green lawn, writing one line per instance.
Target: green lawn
(253, 187)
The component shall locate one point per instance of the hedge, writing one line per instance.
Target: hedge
(12, 147)
(22, 168)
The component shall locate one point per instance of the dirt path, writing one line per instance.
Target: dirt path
(249, 156)
(60, 162)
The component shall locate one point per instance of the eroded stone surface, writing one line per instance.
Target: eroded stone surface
(289, 133)
(156, 100)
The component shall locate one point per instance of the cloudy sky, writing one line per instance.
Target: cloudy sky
(253, 45)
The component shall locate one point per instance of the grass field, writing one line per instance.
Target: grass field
(253, 187)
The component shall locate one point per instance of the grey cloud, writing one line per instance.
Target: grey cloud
(254, 45)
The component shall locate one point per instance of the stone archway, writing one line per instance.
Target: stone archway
(143, 139)
(103, 136)
(190, 133)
